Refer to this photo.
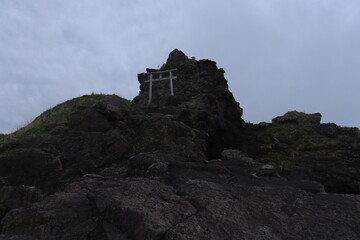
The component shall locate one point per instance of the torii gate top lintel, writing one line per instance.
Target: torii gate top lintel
(161, 78)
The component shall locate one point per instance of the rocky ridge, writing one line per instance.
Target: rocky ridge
(183, 167)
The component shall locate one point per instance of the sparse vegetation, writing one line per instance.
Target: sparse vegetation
(38, 126)
(303, 141)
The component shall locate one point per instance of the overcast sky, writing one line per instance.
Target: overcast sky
(279, 55)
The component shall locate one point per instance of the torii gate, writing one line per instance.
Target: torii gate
(160, 73)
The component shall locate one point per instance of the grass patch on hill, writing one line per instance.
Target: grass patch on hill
(305, 141)
(38, 126)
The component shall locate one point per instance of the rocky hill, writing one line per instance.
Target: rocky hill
(185, 166)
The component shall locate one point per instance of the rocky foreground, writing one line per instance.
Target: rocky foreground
(183, 167)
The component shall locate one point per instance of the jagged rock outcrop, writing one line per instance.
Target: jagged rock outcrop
(175, 59)
(183, 167)
(304, 148)
(201, 100)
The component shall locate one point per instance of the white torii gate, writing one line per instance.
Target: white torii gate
(161, 78)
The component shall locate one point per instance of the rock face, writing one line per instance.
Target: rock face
(201, 100)
(305, 149)
(183, 167)
(176, 58)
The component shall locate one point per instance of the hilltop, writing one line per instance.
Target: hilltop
(179, 164)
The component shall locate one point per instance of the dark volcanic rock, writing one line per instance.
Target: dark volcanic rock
(97, 209)
(17, 196)
(88, 117)
(298, 117)
(329, 129)
(163, 133)
(65, 215)
(176, 58)
(31, 167)
(16, 237)
(141, 163)
(146, 209)
(238, 212)
(201, 100)
(325, 153)
(96, 116)
(183, 167)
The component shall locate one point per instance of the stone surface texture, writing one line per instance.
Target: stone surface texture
(183, 167)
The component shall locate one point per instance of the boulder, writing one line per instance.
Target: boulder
(117, 101)
(232, 154)
(115, 113)
(311, 186)
(238, 156)
(116, 107)
(266, 170)
(298, 118)
(151, 163)
(329, 129)
(89, 117)
(98, 115)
